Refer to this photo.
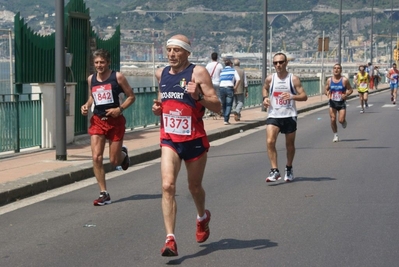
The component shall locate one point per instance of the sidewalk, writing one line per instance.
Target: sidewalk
(29, 173)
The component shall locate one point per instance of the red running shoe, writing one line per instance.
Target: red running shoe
(203, 232)
(170, 247)
(103, 199)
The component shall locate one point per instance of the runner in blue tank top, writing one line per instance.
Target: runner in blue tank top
(337, 88)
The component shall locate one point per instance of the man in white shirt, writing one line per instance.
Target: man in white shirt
(215, 68)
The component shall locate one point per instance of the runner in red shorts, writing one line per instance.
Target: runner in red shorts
(107, 122)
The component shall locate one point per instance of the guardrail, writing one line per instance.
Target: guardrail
(21, 117)
(20, 121)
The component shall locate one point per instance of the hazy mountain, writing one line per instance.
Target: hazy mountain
(223, 32)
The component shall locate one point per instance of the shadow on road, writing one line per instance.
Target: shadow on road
(303, 179)
(139, 197)
(226, 244)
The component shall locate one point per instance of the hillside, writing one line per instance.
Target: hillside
(224, 33)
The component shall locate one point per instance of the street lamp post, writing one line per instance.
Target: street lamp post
(340, 33)
(372, 31)
(264, 52)
(391, 46)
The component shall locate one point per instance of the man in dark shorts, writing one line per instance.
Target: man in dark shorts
(280, 91)
(185, 92)
(107, 122)
(337, 88)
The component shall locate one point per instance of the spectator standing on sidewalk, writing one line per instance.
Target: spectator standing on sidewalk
(229, 82)
(393, 77)
(370, 71)
(242, 91)
(214, 69)
(362, 85)
(337, 89)
(377, 77)
(185, 91)
(280, 92)
(107, 122)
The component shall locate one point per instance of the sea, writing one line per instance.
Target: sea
(5, 85)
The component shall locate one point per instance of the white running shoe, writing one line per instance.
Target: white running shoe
(336, 139)
(362, 111)
(273, 176)
(344, 124)
(289, 175)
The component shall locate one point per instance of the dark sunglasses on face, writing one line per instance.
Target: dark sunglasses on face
(281, 62)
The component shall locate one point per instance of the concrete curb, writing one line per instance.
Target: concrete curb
(36, 184)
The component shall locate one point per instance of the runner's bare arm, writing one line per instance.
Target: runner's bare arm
(84, 109)
(201, 83)
(327, 87)
(348, 86)
(127, 89)
(265, 91)
(157, 105)
(301, 94)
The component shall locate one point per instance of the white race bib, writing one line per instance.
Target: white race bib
(336, 96)
(279, 101)
(102, 94)
(177, 121)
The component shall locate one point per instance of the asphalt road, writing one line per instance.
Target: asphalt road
(342, 210)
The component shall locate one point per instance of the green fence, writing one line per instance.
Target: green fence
(35, 54)
(140, 113)
(311, 86)
(20, 121)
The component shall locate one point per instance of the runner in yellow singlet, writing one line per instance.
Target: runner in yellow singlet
(362, 82)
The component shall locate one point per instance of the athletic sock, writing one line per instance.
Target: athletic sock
(202, 218)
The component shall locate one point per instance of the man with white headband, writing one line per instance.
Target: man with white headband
(185, 90)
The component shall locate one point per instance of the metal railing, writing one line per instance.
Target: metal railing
(21, 114)
(20, 121)
(6, 62)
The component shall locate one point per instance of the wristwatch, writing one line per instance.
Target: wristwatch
(200, 97)
(121, 109)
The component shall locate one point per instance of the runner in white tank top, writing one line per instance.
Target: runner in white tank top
(280, 91)
(280, 108)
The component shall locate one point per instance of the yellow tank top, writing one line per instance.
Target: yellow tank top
(363, 82)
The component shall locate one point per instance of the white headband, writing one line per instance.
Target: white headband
(180, 43)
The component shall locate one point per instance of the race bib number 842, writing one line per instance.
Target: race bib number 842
(102, 94)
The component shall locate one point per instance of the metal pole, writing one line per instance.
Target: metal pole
(271, 48)
(322, 69)
(264, 64)
(391, 46)
(153, 65)
(372, 31)
(60, 112)
(11, 64)
(340, 33)
(264, 53)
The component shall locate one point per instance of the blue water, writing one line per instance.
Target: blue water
(134, 81)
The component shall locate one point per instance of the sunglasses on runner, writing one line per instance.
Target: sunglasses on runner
(281, 62)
